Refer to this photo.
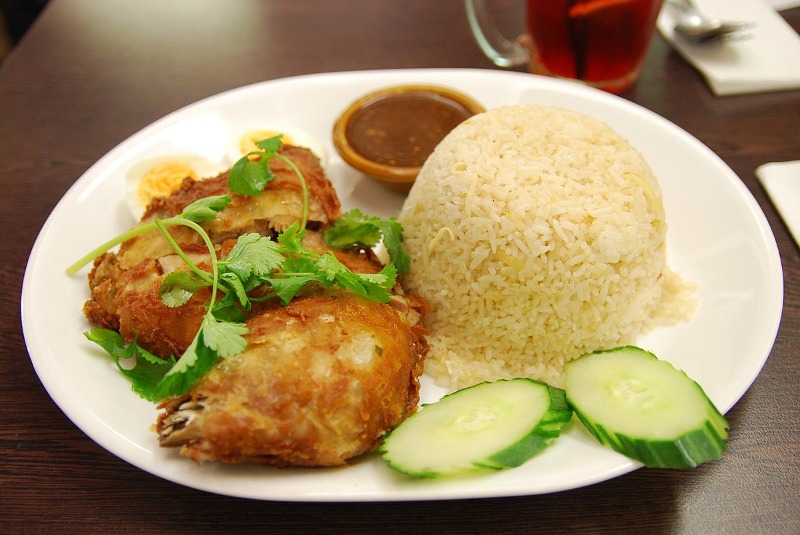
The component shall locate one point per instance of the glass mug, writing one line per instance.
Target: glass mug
(602, 43)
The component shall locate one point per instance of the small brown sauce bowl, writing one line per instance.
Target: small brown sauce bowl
(388, 134)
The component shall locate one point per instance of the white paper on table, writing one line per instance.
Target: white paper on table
(781, 180)
(768, 60)
(782, 4)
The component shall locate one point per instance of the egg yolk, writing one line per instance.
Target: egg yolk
(247, 143)
(162, 180)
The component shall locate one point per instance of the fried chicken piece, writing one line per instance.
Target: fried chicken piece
(321, 381)
(275, 209)
(127, 301)
(124, 286)
(271, 212)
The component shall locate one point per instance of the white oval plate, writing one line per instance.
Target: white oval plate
(718, 237)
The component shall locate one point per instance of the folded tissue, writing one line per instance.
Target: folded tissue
(765, 58)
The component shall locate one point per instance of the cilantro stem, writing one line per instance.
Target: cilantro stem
(132, 233)
(290, 274)
(201, 210)
(162, 227)
(303, 185)
(147, 227)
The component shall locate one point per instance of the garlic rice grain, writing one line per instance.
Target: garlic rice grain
(536, 234)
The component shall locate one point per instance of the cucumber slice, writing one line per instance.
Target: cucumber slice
(488, 426)
(645, 409)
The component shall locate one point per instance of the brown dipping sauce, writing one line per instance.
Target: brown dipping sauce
(389, 133)
(402, 129)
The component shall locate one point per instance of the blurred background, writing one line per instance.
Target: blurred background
(16, 16)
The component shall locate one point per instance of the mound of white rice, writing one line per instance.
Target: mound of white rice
(536, 235)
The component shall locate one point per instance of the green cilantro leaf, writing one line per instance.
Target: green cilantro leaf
(292, 239)
(299, 266)
(248, 177)
(195, 362)
(286, 288)
(271, 145)
(385, 278)
(252, 254)
(378, 286)
(148, 369)
(229, 309)
(112, 342)
(373, 286)
(393, 241)
(353, 228)
(205, 209)
(178, 287)
(236, 287)
(297, 271)
(330, 266)
(225, 338)
(357, 228)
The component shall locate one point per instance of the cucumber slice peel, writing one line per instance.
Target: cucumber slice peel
(488, 426)
(645, 408)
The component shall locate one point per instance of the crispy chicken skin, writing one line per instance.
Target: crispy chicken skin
(322, 379)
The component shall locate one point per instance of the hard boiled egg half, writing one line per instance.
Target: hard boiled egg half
(160, 175)
(245, 142)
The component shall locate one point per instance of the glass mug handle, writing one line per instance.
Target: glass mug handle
(501, 51)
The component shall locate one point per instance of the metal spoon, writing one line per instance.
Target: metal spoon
(700, 28)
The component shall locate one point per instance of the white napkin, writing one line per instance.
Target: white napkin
(767, 61)
(781, 180)
(783, 4)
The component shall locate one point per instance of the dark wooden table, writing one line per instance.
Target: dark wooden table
(90, 73)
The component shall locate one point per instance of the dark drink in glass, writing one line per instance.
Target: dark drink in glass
(600, 42)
